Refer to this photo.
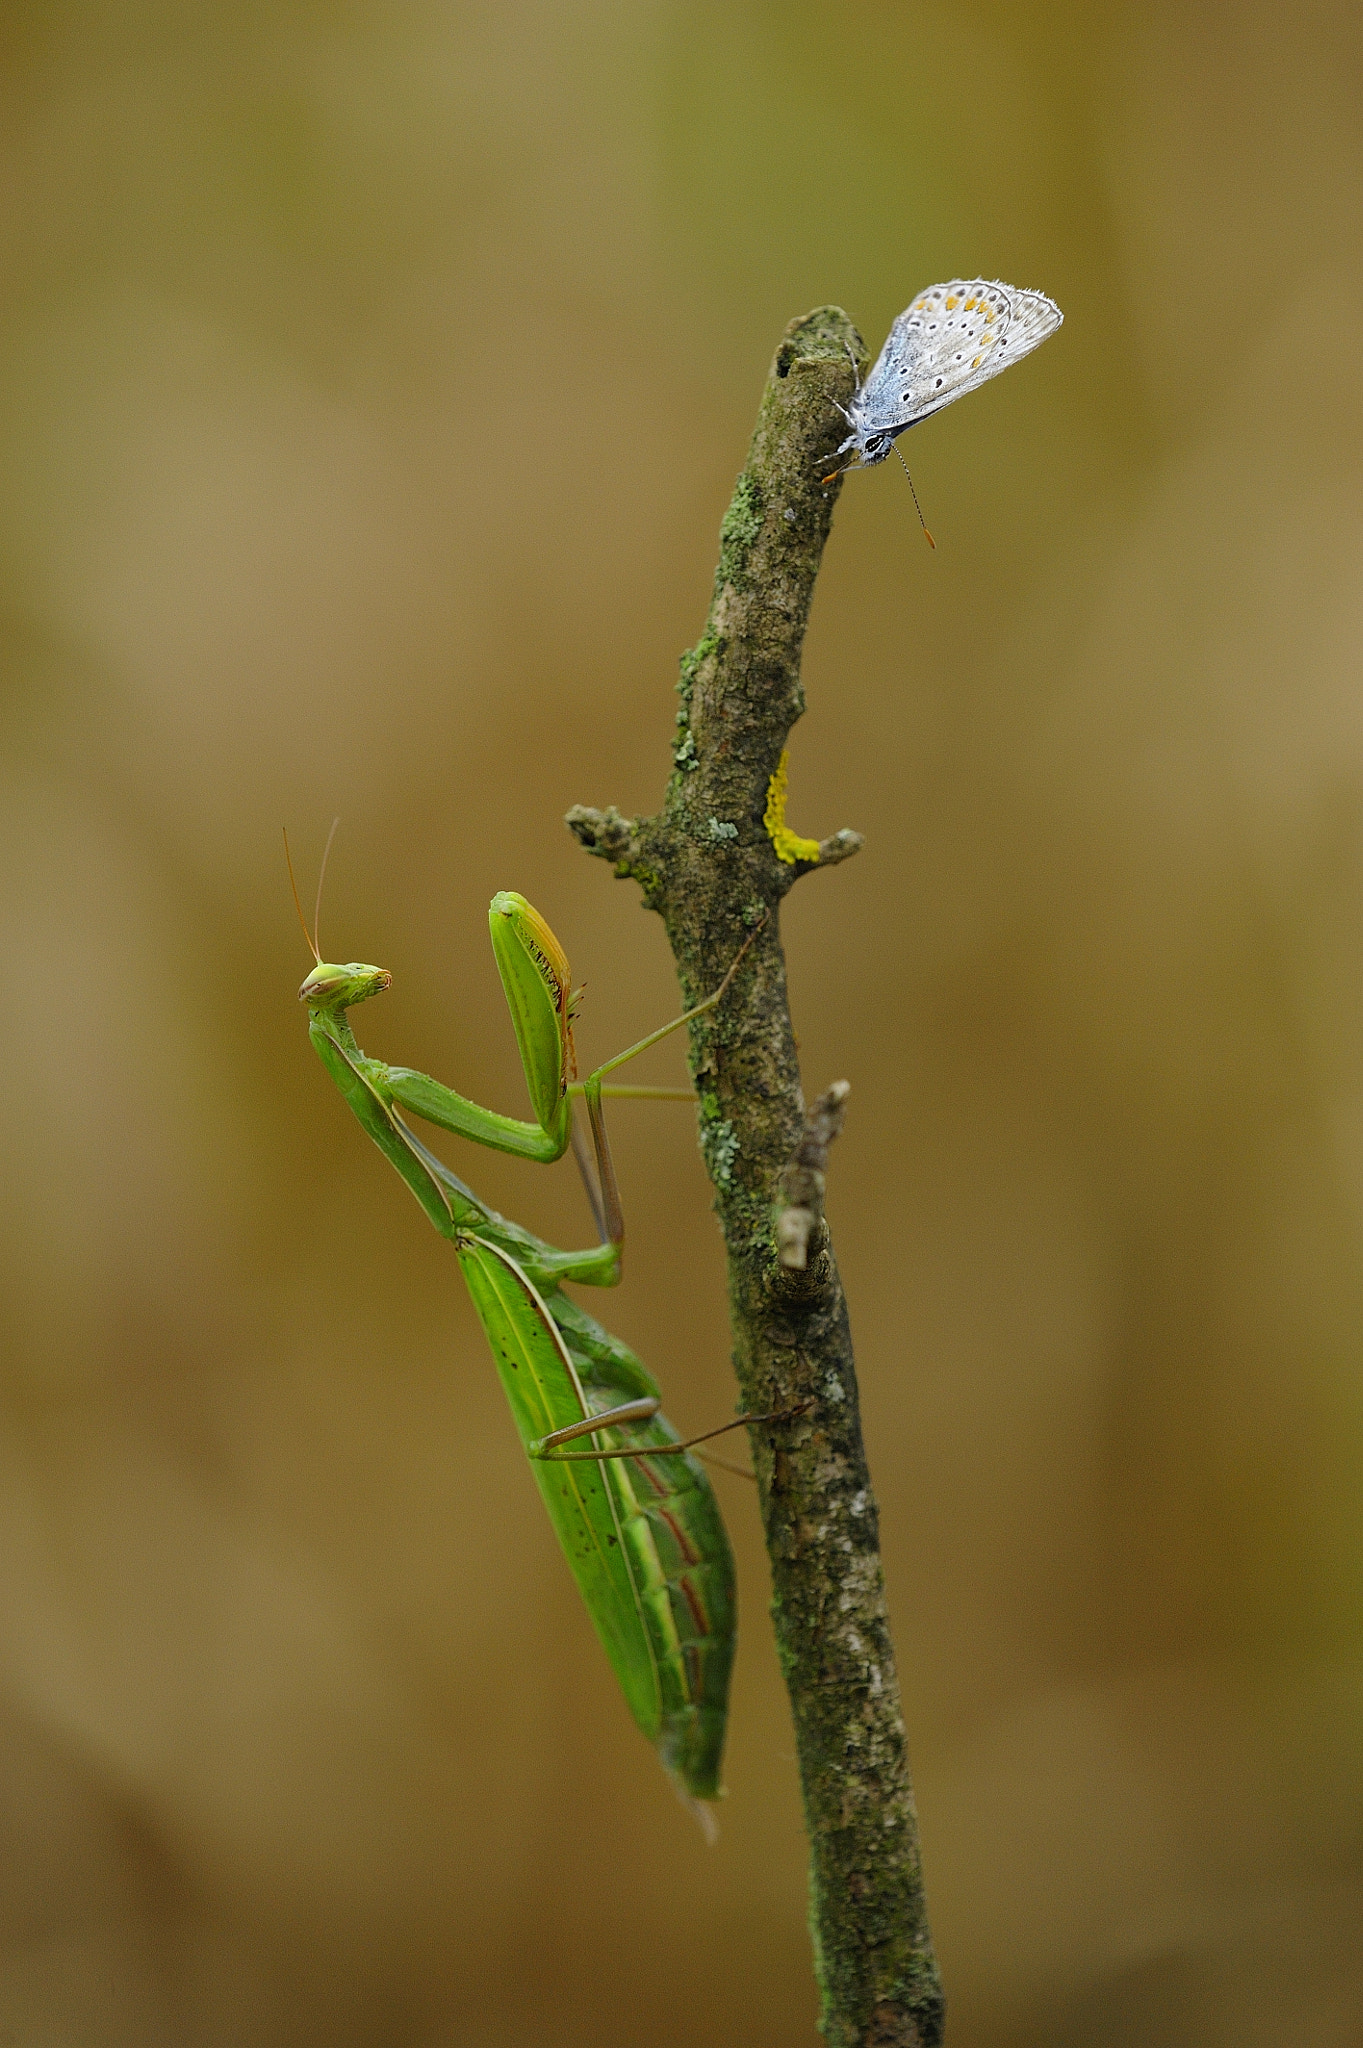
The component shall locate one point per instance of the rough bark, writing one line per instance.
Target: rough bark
(709, 863)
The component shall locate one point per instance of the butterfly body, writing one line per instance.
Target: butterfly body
(951, 339)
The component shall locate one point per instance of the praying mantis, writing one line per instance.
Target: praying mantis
(634, 1513)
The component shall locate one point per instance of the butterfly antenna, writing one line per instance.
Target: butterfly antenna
(317, 910)
(916, 506)
(296, 904)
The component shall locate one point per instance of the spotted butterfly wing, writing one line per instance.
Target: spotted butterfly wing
(953, 337)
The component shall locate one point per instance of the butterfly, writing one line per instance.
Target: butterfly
(953, 337)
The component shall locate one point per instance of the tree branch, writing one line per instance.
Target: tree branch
(714, 860)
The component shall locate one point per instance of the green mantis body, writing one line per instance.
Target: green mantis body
(642, 1533)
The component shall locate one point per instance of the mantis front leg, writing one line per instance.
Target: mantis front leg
(542, 1002)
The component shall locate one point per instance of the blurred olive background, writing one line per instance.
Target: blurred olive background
(372, 382)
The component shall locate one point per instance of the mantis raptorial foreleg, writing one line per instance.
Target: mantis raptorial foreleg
(542, 1002)
(637, 1520)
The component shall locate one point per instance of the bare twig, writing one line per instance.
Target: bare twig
(715, 862)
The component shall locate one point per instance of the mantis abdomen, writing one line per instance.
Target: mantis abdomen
(642, 1536)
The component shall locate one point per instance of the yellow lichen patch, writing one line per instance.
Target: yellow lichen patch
(788, 845)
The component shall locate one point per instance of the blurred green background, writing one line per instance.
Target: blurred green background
(372, 382)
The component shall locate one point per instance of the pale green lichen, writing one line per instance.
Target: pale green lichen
(684, 753)
(719, 828)
(691, 664)
(719, 1143)
(742, 524)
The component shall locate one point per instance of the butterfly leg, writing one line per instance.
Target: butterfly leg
(841, 449)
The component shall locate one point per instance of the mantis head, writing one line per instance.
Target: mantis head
(335, 988)
(330, 987)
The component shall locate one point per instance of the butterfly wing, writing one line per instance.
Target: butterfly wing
(953, 337)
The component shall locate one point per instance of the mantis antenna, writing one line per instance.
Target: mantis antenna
(326, 854)
(293, 884)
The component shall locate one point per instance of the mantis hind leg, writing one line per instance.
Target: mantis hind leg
(550, 1447)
